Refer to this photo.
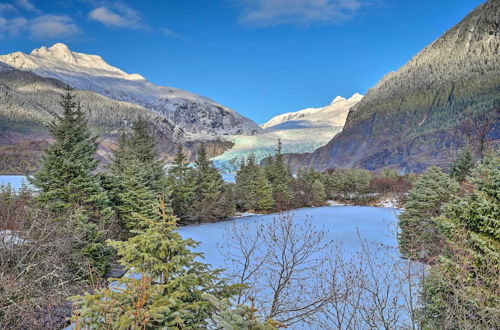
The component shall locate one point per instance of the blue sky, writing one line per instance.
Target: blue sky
(259, 57)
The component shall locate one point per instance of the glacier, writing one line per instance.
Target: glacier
(301, 131)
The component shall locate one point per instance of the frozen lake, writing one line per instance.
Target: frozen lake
(15, 181)
(357, 229)
(342, 224)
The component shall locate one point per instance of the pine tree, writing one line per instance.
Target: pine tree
(135, 197)
(418, 237)
(463, 165)
(279, 175)
(227, 316)
(139, 176)
(165, 286)
(246, 179)
(462, 290)
(66, 184)
(182, 185)
(143, 146)
(210, 202)
(262, 192)
(318, 192)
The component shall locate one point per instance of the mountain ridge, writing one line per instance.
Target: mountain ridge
(409, 117)
(196, 115)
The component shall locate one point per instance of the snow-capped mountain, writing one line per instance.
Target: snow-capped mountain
(195, 116)
(333, 115)
(299, 132)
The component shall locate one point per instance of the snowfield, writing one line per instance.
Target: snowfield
(300, 132)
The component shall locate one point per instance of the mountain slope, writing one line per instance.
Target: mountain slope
(332, 115)
(301, 131)
(196, 116)
(408, 118)
(28, 103)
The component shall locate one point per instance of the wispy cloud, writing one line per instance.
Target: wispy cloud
(7, 7)
(52, 26)
(118, 15)
(172, 34)
(42, 27)
(262, 13)
(27, 5)
(22, 18)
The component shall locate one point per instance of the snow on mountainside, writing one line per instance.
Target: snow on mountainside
(333, 114)
(195, 115)
(301, 131)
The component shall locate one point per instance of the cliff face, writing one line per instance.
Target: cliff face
(409, 118)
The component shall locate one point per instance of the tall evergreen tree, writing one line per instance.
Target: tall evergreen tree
(463, 165)
(210, 203)
(182, 185)
(143, 146)
(139, 175)
(167, 290)
(279, 175)
(318, 193)
(462, 291)
(262, 192)
(418, 237)
(66, 183)
(246, 178)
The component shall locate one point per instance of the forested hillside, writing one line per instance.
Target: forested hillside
(29, 102)
(414, 117)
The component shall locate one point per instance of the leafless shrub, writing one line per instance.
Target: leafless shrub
(276, 260)
(295, 275)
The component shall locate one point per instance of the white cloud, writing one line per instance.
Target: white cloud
(259, 13)
(42, 27)
(27, 5)
(52, 26)
(172, 34)
(5, 7)
(119, 16)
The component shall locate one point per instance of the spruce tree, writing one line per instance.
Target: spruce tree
(139, 175)
(246, 179)
(182, 185)
(67, 186)
(463, 165)
(418, 237)
(210, 203)
(164, 287)
(262, 192)
(279, 175)
(462, 291)
(143, 146)
(228, 316)
(318, 192)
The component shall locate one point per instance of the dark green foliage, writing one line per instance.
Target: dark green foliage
(308, 188)
(418, 237)
(349, 185)
(168, 289)
(139, 176)
(462, 291)
(67, 185)
(318, 192)
(253, 191)
(182, 184)
(211, 201)
(462, 165)
(279, 176)
(227, 316)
